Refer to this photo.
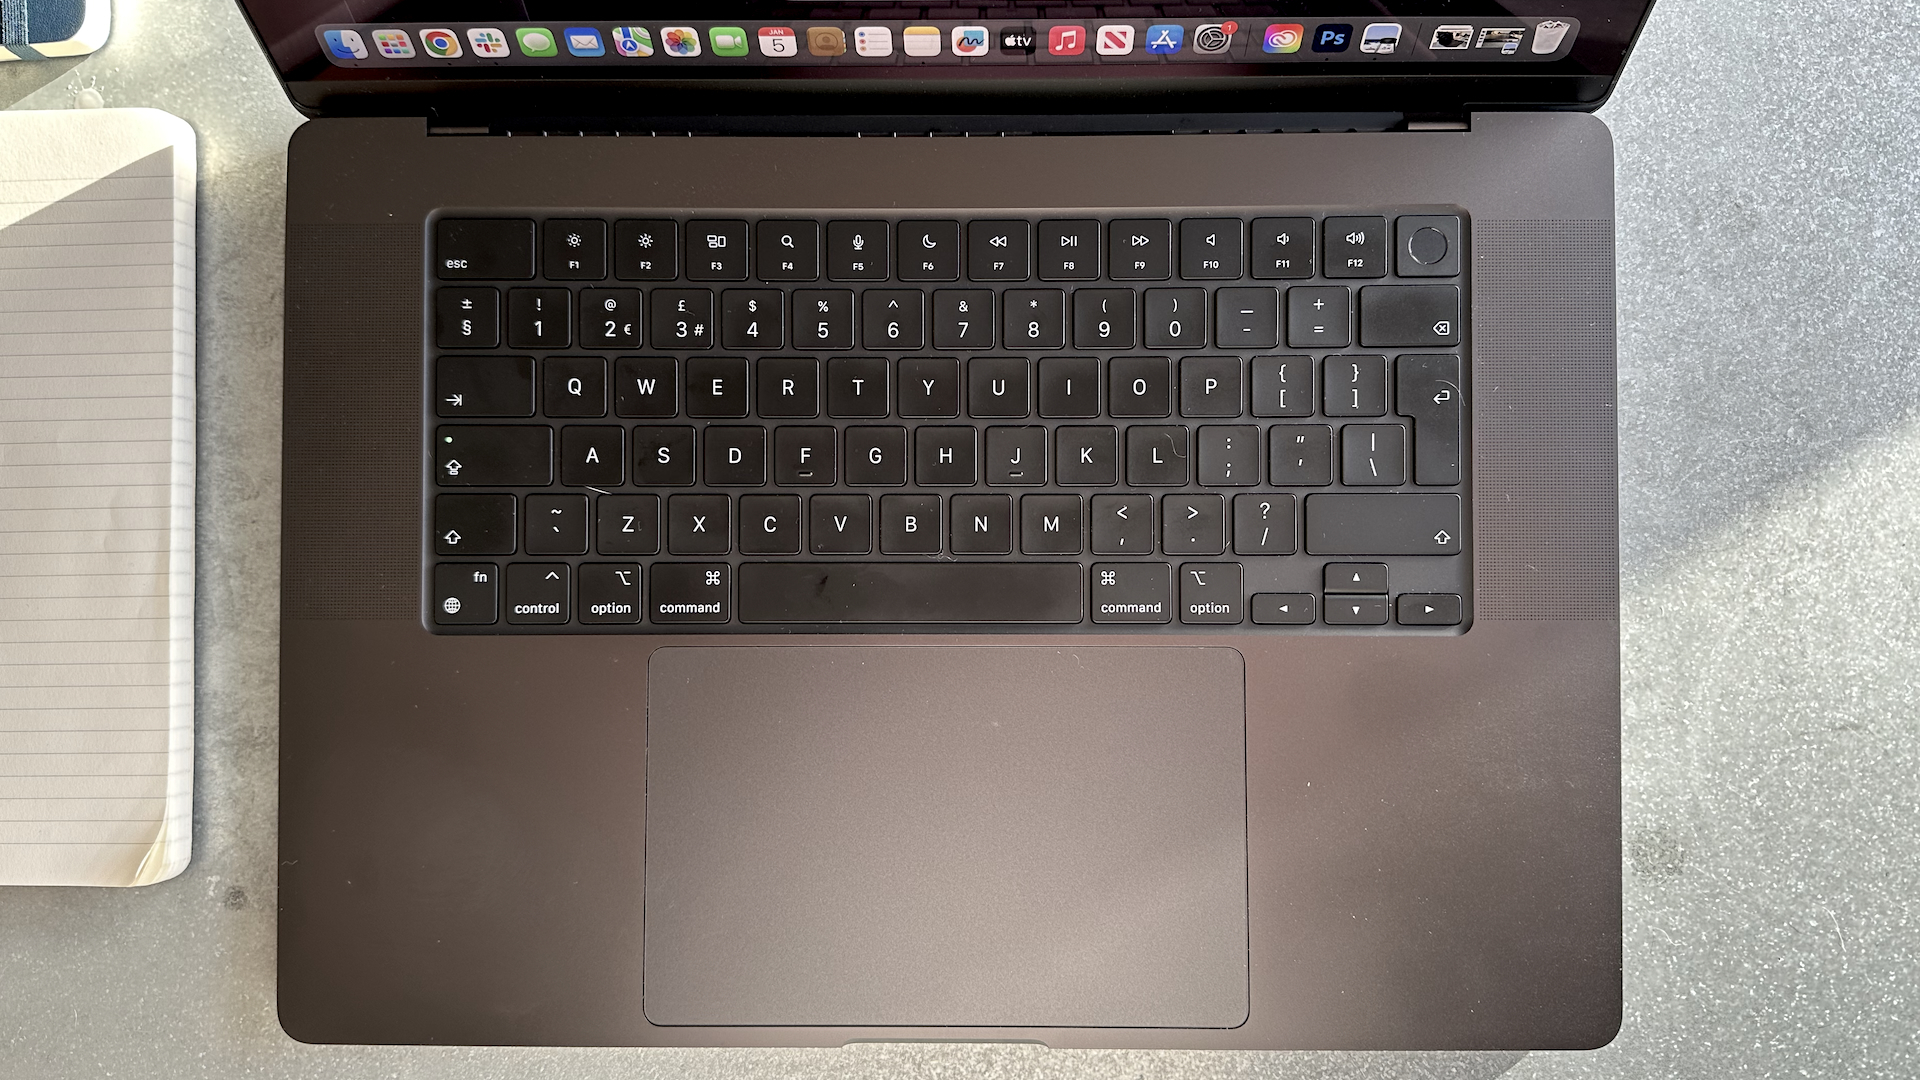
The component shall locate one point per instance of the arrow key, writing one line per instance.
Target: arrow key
(1427, 609)
(1354, 577)
(473, 524)
(1282, 608)
(1356, 610)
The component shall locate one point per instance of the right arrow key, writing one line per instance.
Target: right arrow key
(1427, 609)
(1409, 316)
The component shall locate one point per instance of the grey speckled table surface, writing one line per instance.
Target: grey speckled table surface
(1769, 188)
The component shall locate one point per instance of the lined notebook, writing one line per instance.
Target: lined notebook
(96, 496)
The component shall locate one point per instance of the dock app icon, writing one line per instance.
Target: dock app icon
(1113, 40)
(920, 41)
(969, 41)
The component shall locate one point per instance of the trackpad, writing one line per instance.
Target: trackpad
(981, 837)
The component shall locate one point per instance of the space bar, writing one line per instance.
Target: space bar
(910, 592)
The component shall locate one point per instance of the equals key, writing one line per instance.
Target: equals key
(1318, 317)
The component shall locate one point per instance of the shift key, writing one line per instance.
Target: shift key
(1384, 524)
(492, 455)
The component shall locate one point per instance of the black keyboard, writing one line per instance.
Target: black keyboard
(1156, 422)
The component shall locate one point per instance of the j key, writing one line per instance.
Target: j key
(645, 250)
(1070, 386)
(1282, 609)
(682, 318)
(1427, 609)
(1356, 247)
(1193, 524)
(610, 593)
(689, 593)
(1140, 249)
(483, 248)
(910, 592)
(982, 525)
(997, 387)
(1353, 577)
(717, 250)
(1087, 456)
(1034, 318)
(1247, 318)
(876, 456)
(770, 524)
(734, 456)
(1050, 525)
(1140, 386)
(1383, 524)
(1300, 455)
(944, 457)
(998, 250)
(1229, 456)
(1283, 386)
(699, 524)
(857, 250)
(663, 456)
(1263, 524)
(803, 456)
(822, 319)
(556, 524)
(930, 387)
(575, 249)
(716, 386)
(1354, 386)
(1123, 524)
(929, 251)
(1409, 316)
(910, 524)
(646, 386)
(1103, 318)
(1132, 592)
(1429, 392)
(538, 593)
(1068, 250)
(473, 524)
(787, 250)
(1316, 317)
(539, 318)
(1016, 456)
(1210, 386)
(1176, 318)
(483, 386)
(963, 319)
(1156, 456)
(574, 386)
(1373, 455)
(1209, 248)
(857, 386)
(752, 319)
(466, 318)
(466, 594)
(1210, 593)
(787, 387)
(493, 456)
(610, 318)
(840, 524)
(1283, 247)
(592, 455)
(893, 319)
(627, 525)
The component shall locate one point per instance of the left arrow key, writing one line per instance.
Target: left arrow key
(473, 524)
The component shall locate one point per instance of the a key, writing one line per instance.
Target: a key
(1176, 318)
(787, 387)
(1410, 316)
(575, 249)
(1247, 318)
(997, 387)
(483, 386)
(910, 524)
(1356, 247)
(466, 318)
(787, 250)
(466, 594)
(1283, 248)
(1353, 577)
(610, 593)
(592, 455)
(1033, 318)
(627, 525)
(1193, 524)
(1428, 391)
(840, 524)
(646, 386)
(682, 318)
(1050, 525)
(1068, 250)
(574, 386)
(493, 455)
(1103, 318)
(734, 456)
(876, 456)
(1210, 594)
(963, 319)
(1209, 248)
(1140, 249)
(929, 251)
(663, 456)
(752, 319)
(1156, 456)
(893, 319)
(473, 524)
(1140, 386)
(1373, 455)
(1087, 456)
(689, 593)
(857, 250)
(610, 318)
(699, 524)
(1317, 317)
(1016, 456)
(1263, 524)
(539, 593)
(1132, 592)
(1383, 524)
(1210, 386)
(539, 318)
(982, 524)
(803, 456)
(857, 386)
(1123, 524)
(1300, 455)
(1228, 456)
(717, 387)
(645, 249)
(930, 387)
(1283, 386)
(998, 250)
(770, 524)
(556, 524)
(1354, 386)
(944, 457)
(1069, 387)
(717, 250)
(466, 248)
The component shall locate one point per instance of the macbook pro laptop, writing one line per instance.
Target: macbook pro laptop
(1090, 524)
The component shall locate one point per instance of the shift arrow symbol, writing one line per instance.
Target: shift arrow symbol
(1441, 537)
(451, 538)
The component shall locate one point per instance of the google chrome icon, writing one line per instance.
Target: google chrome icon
(440, 43)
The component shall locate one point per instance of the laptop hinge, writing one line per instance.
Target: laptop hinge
(896, 126)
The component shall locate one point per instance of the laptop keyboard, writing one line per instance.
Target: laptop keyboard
(1055, 422)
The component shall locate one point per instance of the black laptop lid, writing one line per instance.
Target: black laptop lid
(491, 61)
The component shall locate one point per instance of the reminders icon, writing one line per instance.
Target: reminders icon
(920, 41)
